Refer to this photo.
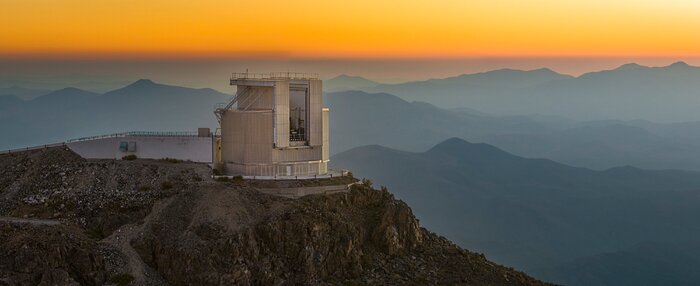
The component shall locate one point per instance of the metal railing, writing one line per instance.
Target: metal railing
(273, 75)
(297, 135)
(220, 105)
(330, 174)
(114, 135)
(138, 133)
(33, 148)
(219, 109)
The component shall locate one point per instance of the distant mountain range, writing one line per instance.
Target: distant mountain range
(347, 82)
(559, 223)
(357, 119)
(662, 94)
(605, 146)
(360, 118)
(33, 86)
(23, 93)
(648, 263)
(71, 113)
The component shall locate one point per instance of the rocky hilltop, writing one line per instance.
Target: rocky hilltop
(69, 221)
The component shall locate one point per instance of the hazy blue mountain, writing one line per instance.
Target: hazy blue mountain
(649, 263)
(477, 91)
(467, 110)
(70, 113)
(8, 106)
(661, 94)
(64, 98)
(536, 214)
(359, 118)
(23, 93)
(176, 107)
(347, 82)
(38, 85)
(601, 146)
(9, 100)
(680, 131)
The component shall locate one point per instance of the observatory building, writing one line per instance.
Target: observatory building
(276, 125)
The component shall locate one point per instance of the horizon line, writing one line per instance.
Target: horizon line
(158, 82)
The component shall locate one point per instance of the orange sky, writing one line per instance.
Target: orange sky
(348, 29)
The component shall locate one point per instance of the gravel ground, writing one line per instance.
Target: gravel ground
(147, 222)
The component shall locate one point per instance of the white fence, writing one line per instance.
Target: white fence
(186, 146)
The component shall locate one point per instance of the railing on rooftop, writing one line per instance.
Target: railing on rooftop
(32, 148)
(139, 133)
(220, 105)
(273, 75)
(114, 135)
(297, 135)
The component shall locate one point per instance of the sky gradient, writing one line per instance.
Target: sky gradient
(80, 29)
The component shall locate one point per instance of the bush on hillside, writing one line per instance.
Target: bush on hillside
(130, 157)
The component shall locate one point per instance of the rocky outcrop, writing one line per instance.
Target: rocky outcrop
(204, 232)
(279, 240)
(48, 255)
(99, 195)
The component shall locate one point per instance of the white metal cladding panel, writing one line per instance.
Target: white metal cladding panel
(250, 170)
(315, 106)
(228, 133)
(296, 155)
(256, 98)
(282, 113)
(106, 148)
(323, 167)
(246, 136)
(326, 134)
(192, 148)
(305, 169)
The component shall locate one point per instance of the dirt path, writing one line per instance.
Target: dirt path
(29, 221)
(121, 240)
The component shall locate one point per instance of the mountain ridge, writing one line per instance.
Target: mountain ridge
(628, 92)
(23, 93)
(346, 82)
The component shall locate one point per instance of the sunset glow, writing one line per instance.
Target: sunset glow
(348, 29)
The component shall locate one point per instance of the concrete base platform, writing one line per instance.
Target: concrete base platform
(329, 174)
(305, 191)
(289, 169)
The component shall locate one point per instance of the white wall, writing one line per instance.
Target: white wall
(196, 149)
